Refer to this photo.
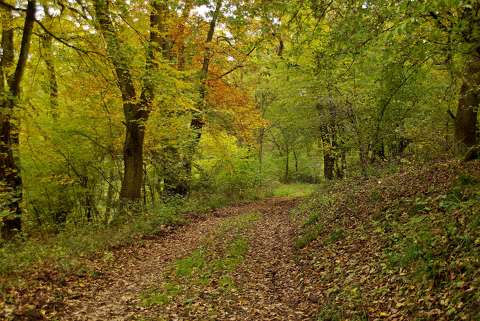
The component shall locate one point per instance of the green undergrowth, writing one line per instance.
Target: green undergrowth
(204, 201)
(402, 246)
(208, 269)
(67, 248)
(311, 227)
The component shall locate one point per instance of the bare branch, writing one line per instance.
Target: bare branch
(229, 72)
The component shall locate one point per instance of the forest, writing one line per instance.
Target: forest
(239, 160)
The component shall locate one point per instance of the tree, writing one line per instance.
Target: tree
(10, 89)
(136, 107)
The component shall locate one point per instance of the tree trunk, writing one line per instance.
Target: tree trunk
(328, 165)
(287, 166)
(144, 187)
(378, 150)
(398, 148)
(88, 198)
(52, 76)
(344, 163)
(341, 164)
(11, 184)
(161, 45)
(296, 160)
(175, 173)
(329, 131)
(132, 182)
(261, 138)
(181, 45)
(48, 58)
(467, 112)
(11, 187)
(110, 195)
(175, 167)
(363, 153)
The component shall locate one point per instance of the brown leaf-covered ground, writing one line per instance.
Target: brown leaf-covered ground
(267, 284)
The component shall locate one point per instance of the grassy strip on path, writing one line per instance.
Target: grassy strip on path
(206, 272)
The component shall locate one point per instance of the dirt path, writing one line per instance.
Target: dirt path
(267, 283)
(270, 280)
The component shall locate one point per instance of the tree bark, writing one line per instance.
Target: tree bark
(11, 184)
(341, 164)
(362, 148)
(131, 190)
(110, 195)
(52, 75)
(296, 161)
(48, 58)
(468, 104)
(328, 165)
(261, 138)
(328, 132)
(161, 47)
(181, 45)
(363, 154)
(174, 171)
(287, 165)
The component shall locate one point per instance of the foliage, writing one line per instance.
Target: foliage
(278, 92)
(228, 169)
(65, 249)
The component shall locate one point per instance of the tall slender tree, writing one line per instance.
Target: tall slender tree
(11, 75)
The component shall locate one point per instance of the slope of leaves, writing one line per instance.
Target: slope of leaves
(403, 247)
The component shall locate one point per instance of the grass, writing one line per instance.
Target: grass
(295, 190)
(308, 235)
(311, 212)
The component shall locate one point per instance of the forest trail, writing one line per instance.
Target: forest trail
(255, 279)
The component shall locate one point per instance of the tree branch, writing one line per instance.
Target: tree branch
(450, 113)
(229, 72)
(10, 7)
(237, 66)
(62, 41)
(24, 48)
